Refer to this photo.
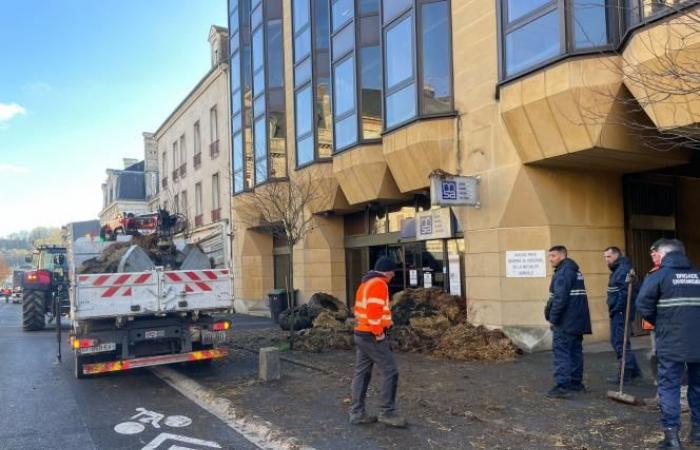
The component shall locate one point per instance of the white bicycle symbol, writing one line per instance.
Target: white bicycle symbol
(145, 417)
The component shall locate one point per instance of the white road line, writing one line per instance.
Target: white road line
(259, 432)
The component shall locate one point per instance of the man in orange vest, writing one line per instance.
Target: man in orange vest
(373, 314)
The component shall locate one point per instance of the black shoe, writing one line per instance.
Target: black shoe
(671, 440)
(577, 387)
(559, 392)
(694, 436)
(392, 419)
(362, 419)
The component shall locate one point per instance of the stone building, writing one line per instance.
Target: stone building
(548, 102)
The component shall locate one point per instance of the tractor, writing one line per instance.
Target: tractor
(45, 289)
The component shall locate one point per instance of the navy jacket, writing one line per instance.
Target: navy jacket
(670, 299)
(567, 308)
(617, 288)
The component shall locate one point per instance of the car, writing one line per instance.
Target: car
(6, 292)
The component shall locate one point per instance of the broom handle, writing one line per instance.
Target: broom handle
(630, 278)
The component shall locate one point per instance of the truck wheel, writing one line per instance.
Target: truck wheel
(33, 311)
(78, 363)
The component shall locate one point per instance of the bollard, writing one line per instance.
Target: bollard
(269, 366)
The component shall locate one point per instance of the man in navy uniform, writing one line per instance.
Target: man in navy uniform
(620, 267)
(567, 312)
(670, 300)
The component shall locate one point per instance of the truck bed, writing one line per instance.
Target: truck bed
(108, 295)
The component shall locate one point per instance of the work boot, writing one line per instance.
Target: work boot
(392, 419)
(671, 440)
(559, 392)
(362, 419)
(694, 436)
(577, 387)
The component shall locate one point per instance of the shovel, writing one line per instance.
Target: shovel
(619, 395)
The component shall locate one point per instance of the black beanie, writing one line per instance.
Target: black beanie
(384, 264)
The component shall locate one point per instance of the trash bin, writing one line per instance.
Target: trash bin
(278, 302)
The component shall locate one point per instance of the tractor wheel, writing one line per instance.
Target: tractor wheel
(33, 311)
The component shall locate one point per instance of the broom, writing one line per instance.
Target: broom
(619, 395)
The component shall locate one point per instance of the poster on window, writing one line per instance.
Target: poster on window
(413, 277)
(455, 274)
(427, 280)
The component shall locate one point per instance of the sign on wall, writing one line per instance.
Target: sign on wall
(454, 190)
(526, 264)
(434, 224)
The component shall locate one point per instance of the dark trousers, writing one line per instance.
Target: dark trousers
(568, 357)
(617, 334)
(370, 352)
(670, 378)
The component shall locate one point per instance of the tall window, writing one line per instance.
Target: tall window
(176, 203)
(536, 32)
(197, 137)
(183, 151)
(214, 124)
(241, 94)
(215, 192)
(198, 199)
(417, 60)
(164, 165)
(311, 80)
(176, 157)
(357, 72)
(183, 203)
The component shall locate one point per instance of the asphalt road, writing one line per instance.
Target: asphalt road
(43, 407)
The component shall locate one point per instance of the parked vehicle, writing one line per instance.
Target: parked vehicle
(128, 223)
(17, 277)
(142, 314)
(45, 289)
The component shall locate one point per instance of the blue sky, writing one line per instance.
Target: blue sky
(80, 80)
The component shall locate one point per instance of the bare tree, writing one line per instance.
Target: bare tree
(285, 209)
(662, 73)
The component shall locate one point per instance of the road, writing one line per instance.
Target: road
(44, 407)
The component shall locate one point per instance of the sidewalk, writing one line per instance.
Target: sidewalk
(449, 405)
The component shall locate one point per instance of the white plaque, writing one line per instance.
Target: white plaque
(455, 274)
(454, 190)
(434, 224)
(526, 264)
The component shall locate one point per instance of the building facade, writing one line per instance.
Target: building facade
(193, 147)
(558, 106)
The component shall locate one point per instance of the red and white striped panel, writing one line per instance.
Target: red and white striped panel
(197, 281)
(119, 284)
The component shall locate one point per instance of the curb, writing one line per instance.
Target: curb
(260, 433)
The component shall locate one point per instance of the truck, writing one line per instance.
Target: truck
(144, 313)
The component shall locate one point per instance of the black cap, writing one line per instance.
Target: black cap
(384, 264)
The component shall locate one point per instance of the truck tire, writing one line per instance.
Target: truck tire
(33, 311)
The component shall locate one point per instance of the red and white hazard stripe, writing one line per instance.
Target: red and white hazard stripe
(115, 284)
(196, 281)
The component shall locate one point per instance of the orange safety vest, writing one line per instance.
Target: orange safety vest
(372, 308)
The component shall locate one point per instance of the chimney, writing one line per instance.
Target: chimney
(150, 152)
(218, 40)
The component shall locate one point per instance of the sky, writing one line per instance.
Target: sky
(80, 81)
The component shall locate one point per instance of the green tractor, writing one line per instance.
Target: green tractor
(45, 289)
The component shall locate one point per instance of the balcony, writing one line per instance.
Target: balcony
(216, 215)
(183, 170)
(176, 174)
(214, 149)
(197, 160)
(198, 220)
(164, 182)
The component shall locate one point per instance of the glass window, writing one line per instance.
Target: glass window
(400, 106)
(393, 8)
(305, 150)
(215, 192)
(343, 42)
(520, 8)
(304, 112)
(590, 23)
(259, 105)
(198, 199)
(302, 73)
(236, 122)
(399, 52)
(256, 19)
(259, 82)
(260, 150)
(369, 7)
(302, 45)
(235, 72)
(344, 87)
(342, 12)
(533, 43)
(237, 162)
(345, 132)
(301, 14)
(275, 54)
(435, 61)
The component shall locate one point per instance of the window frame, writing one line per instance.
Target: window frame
(418, 76)
(237, 15)
(567, 32)
(215, 191)
(197, 138)
(198, 200)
